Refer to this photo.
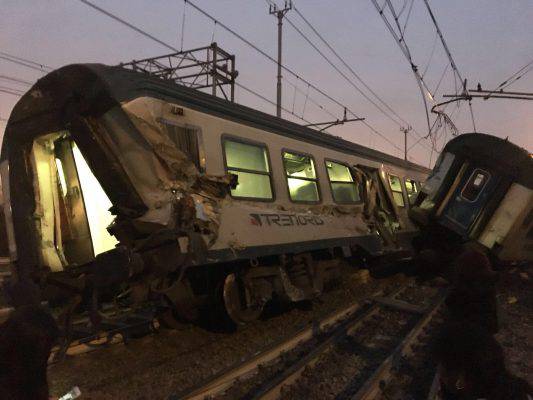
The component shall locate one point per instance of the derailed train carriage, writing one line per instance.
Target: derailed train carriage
(479, 192)
(121, 186)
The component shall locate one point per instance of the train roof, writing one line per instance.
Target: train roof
(102, 87)
(496, 152)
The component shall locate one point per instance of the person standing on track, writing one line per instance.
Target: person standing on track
(26, 340)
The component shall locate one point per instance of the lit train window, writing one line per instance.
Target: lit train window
(301, 177)
(411, 186)
(473, 188)
(343, 186)
(250, 163)
(396, 187)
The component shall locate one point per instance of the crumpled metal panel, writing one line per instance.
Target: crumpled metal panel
(177, 195)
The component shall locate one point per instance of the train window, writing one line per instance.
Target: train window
(301, 177)
(397, 192)
(250, 163)
(475, 185)
(186, 139)
(411, 186)
(343, 186)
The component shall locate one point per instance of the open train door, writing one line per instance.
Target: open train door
(379, 203)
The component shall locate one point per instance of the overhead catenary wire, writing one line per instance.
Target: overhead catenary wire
(270, 101)
(22, 63)
(350, 68)
(12, 91)
(406, 52)
(131, 26)
(26, 61)
(286, 69)
(262, 52)
(408, 16)
(450, 58)
(433, 47)
(310, 99)
(399, 37)
(169, 46)
(513, 78)
(248, 43)
(16, 80)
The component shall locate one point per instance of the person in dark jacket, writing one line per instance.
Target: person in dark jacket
(472, 366)
(26, 340)
(472, 297)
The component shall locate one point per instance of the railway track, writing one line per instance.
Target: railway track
(352, 354)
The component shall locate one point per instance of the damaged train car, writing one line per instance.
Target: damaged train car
(123, 187)
(481, 192)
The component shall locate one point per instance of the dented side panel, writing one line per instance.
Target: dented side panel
(238, 224)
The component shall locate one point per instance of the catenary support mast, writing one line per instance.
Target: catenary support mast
(279, 13)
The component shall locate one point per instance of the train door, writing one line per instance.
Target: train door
(379, 202)
(72, 209)
(468, 199)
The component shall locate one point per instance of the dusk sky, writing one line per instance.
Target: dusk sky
(489, 40)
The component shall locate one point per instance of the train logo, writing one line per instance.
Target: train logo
(285, 220)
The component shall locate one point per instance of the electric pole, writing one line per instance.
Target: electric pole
(405, 131)
(279, 13)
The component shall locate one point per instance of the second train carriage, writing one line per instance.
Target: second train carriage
(480, 191)
(120, 184)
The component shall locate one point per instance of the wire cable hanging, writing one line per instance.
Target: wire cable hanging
(452, 62)
(286, 69)
(330, 47)
(512, 79)
(349, 81)
(247, 42)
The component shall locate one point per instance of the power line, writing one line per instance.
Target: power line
(149, 36)
(244, 40)
(263, 53)
(270, 101)
(17, 80)
(355, 74)
(400, 41)
(22, 64)
(310, 99)
(399, 37)
(123, 22)
(25, 60)
(513, 78)
(450, 58)
(351, 70)
(285, 68)
(14, 92)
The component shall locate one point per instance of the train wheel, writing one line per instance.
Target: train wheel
(235, 294)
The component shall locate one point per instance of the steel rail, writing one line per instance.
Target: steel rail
(272, 389)
(372, 386)
(224, 380)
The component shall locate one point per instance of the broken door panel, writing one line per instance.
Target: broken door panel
(72, 212)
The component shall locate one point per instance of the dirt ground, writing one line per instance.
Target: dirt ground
(515, 301)
(171, 361)
(166, 363)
